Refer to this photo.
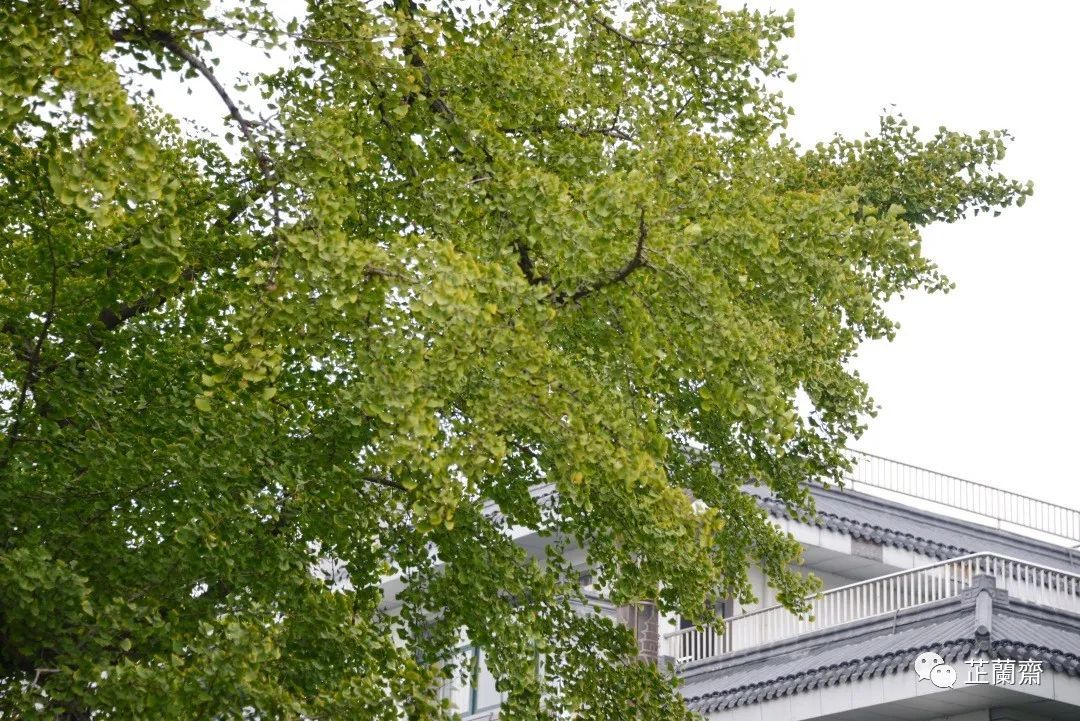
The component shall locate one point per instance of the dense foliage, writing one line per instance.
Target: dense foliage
(449, 252)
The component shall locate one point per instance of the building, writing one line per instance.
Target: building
(943, 599)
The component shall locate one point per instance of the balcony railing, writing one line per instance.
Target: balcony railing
(1002, 507)
(877, 597)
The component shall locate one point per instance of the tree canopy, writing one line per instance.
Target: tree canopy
(443, 253)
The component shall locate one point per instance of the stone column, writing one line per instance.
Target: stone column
(644, 620)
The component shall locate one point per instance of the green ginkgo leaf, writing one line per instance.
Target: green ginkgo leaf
(481, 301)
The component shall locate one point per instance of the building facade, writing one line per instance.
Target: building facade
(943, 599)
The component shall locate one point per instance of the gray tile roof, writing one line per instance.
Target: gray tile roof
(802, 664)
(803, 669)
(1058, 660)
(1056, 644)
(889, 523)
(868, 531)
(885, 522)
(1045, 633)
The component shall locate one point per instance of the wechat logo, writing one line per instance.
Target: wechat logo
(930, 666)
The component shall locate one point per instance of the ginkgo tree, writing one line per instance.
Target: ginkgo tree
(444, 252)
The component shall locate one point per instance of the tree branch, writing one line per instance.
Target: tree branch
(384, 482)
(635, 262)
(33, 359)
(232, 212)
(610, 131)
(606, 25)
(525, 262)
(114, 317)
(171, 43)
(39, 672)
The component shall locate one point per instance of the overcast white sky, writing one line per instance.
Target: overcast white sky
(980, 383)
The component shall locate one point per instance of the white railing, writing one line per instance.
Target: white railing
(968, 496)
(877, 597)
